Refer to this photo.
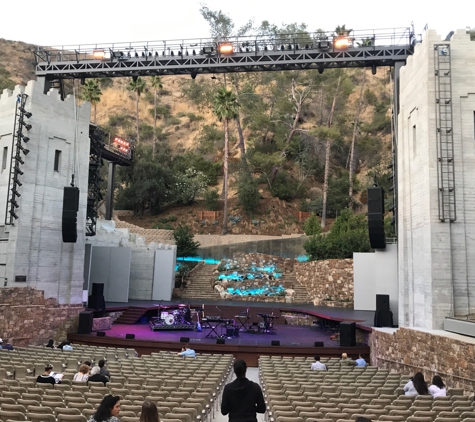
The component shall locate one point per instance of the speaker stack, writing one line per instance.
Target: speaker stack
(85, 322)
(377, 237)
(383, 317)
(70, 211)
(96, 299)
(347, 334)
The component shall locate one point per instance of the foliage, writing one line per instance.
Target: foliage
(389, 228)
(105, 83)
(349, 234)
(312, 226)
(162, 111)
(91, 91)
(185, 245)
(190, 159)
(188, 185)
(248, 193)
(286, 187)
(211, 199)
(338, 198)
(119, 120)
(5, 81)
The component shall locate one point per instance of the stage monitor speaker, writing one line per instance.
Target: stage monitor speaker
(220, 341)
(70, 209)
(382, 302)
(97, 289)
(96, 302)
(130, 336)
(347, 334)
(100, 334)
(275, 343)
(184, 339)
(85, 322)
(377, 236)
(318, 344)
(383, 319)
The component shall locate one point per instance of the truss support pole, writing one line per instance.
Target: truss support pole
(110, 191)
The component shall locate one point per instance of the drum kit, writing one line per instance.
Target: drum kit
(177, 316)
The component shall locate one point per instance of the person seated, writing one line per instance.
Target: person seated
(108, 410)
(149, 412)
(6, 345)
(46, 377)
(360, 361)
(346, 361)
(416, 386)
(96, 376)
(317, 365)
(83, 374)
(437, 389)
(186, 351)
(104, 370)
(50, 343)
(67, 345)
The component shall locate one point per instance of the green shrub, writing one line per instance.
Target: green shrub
(312, 226)
(248, 193)
(286, 188)
(185, 245)
(211, 199)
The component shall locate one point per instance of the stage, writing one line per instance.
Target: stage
(281, 339)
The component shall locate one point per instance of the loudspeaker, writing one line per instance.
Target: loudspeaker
(96, 299)
(220, 341)
(377, 236)
(130, 336)
(97, 289)
(318, 344)
(85, 322)
(184, 339)
(383, 319)
(275, 343)
(70, 209)
(347, 334)
(100, 334)
(382, 302)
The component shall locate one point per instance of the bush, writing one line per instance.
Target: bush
(286, 188)
(312, 226)
(211, 198)
(185, 245)
(248, 193)
(162, 111)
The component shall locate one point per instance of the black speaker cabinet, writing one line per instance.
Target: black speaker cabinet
(347, 334)
(101, 334)
(382, 302)
(85, 322)
(97, 289)
(184, 339)
(130, 336)
(70, 210)
(377, 236)
(275, 343)
(220, 341)
(383, 318)
(318, 344)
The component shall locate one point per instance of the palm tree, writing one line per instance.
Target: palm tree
(91, 92)
(156, 85)
(225, 108)
(137, 85)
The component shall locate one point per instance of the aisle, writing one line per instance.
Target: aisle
(253, 375)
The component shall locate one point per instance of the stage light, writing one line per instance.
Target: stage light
(373, 69)
(324, 44)
(16, 181)
(15, 192)
(18, 158)
(225, 48)
(208, 50)
(13, 214)
(25, 138)
(27, 127)
(18, 171)
(117, 54)
(26, 113)
(282, 48)
(289, 47)
(99, 54)
(14, 203)
(172, 53)
(321, 68)
(136, 54)
(341, 42)
(24, 150)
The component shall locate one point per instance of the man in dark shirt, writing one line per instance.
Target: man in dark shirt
(46, 378)
(242, 398)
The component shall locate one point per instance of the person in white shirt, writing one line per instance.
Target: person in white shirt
(317, 365)
(416, 386)
(437, 389)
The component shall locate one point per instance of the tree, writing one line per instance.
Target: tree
(91, 92)
(156, 85)
(137, 85)
(185, 245)
(225, 108)
(312, 226)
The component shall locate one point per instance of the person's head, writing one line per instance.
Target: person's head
(88, 363)
(437, 381)
(344, 356)
(419, 383)
(110, 406)
(149, 412)
(317, 358)
(84, 369)
(48, 368)
(50, 343)
(96, 370)
(361, 356)
(101, 363)
(187, 346)
(240, 368)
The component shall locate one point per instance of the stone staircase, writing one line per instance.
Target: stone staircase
(301, 294)
(131, 315)
(199, 284)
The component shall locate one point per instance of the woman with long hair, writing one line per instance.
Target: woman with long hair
(108, 410)
(149, 412)
(437, 389)
(416, 386)
(50, 343)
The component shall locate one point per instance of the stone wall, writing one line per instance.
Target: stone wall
(407, 350)
(329, 282)
(26, 317)
(247, 259)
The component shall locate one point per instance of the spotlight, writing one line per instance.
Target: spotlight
(321, 68)
(18, 171)
(208, 50)
(13, 202)
(172, 53)
(15, 192)
(324, 44)
(27, 127)
(136, 54)
(117, 54)
(289, 47)
(373, 69)
(25, 138)
(26, 113)
(16, 181)
(25, 151)
(194, 52)
(282, 48)
(18, 158)
(156, 53)
(225, 48)
(99, 54)
(341, 42)
(14, 215)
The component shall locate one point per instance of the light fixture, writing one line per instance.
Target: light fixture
(99, 54)
(18, 171)
(14, 203)
(24, 150)
(373, 69)
(27, 126)
(13, 214)
(18, 158)
(323, 44)
(225, 48)
(15, 192)
(208, 50)
(16, 181)
(341, 42)
(117, 54)
(25, 113)
(25, 138)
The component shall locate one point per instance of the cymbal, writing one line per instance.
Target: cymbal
(182, 305)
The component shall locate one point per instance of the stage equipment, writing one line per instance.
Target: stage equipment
(171, 319)
(341, 42)
(85, 322)
(99, 54)
(220, 341)
(275, 343)
(347, 334)
(100, 334)
(377, 237)
(318, 344)
(15, 159)
(268, 325)
(225, 48)
(70, 210)
(130, 336)
(184, 339)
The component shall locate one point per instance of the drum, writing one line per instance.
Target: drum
(229, 331)
(163, 315)
(169, 319)
(178, 314)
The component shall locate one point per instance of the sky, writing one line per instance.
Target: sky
(54, 22)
